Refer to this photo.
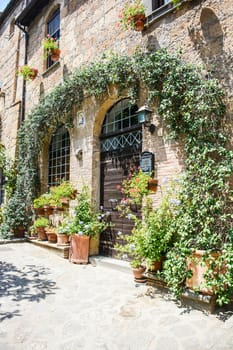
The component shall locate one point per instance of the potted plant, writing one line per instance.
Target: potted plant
(135, 187)
(39, 225)
(133, 15)
(86, 223)
(63, 231)
(64, 192)
(50, 46)
(132, 248)
(51, 233)
(28, 73)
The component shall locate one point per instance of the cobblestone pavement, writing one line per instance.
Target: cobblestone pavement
(48, 303)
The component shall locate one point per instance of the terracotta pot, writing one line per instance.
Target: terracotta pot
(199, 268)
(79, 249)
(42, 236)
(18, 232)
(139, 22)
(153, 185)
(48, 210)
(52, 236)
(34, 73)
(138, 274)
(62, 239)
(155, 266)
(55, 54)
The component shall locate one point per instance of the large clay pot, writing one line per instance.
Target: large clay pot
(18, 232)
(79, 249)
(199, 267)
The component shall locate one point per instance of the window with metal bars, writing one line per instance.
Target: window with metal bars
(53, 29)
(59, 157)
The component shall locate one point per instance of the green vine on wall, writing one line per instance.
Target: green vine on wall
(193, 110)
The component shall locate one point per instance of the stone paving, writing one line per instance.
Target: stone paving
(48, 303)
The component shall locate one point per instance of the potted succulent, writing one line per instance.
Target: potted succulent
(27, 72)
(86, 224)
(50, 46)
(133, 15)
(39, 225)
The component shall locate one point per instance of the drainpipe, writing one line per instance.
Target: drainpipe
(22, 110)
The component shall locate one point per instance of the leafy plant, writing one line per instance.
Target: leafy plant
(66, 226)
(41, 222)
(86, 222)
(130, 10)
(65, 189)
(135, 187)
(132, 247)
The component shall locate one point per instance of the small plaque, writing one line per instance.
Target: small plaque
(147, 162)
(81, 118)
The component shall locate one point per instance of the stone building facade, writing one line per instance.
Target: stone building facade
(88, 29)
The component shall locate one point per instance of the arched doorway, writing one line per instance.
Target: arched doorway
(121, 144)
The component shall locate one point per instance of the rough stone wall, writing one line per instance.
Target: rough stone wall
(202, 28)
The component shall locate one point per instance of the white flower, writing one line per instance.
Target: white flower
(119, 233)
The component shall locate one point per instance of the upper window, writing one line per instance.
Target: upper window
(157, 3)
(59, 157)
(53, 29)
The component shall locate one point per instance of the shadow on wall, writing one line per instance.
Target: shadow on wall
(30, 283)
(208, 40)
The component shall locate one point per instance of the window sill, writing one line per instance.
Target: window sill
(51, 69)
(162, 11)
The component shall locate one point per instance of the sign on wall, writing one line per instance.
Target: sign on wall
(147, 162)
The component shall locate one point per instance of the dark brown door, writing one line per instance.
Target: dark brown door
(120, 140)
(116, 166)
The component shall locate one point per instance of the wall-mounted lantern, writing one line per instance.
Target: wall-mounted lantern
(144, 117)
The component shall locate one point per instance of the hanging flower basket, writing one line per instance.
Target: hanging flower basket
(28, 73)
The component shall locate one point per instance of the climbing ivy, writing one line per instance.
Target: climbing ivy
(194, 111)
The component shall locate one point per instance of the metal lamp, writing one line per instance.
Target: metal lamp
(144, 117)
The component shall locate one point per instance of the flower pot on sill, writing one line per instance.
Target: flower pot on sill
(79, 249)
(55, 54)
(139, 22)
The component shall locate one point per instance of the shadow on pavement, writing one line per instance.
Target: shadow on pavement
(30, 283)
